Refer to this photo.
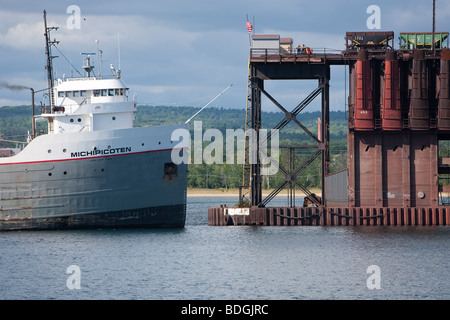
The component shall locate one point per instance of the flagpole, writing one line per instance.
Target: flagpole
(249, 28)
(249, 37)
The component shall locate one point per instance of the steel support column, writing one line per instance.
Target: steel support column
(261, 72)
(325, 129)
(257, 85)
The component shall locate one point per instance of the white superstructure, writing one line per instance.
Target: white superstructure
(90, 104)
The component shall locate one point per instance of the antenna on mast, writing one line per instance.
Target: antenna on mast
(87, 63)
(48, 53)
(100, 59)
(434, 28)
(118, 52)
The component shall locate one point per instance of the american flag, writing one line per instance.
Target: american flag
(249, 27)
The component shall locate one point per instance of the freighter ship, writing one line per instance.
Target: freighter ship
(93, 169)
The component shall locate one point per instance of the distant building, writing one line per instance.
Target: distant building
(270, 44)
(265, 44)
(286, 45)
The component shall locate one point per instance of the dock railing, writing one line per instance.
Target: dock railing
(281, 54)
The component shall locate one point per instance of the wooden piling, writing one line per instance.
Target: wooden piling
(343, 216)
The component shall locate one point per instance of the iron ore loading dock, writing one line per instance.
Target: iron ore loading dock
(398, 126)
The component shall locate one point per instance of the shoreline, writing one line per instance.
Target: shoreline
(203, 192)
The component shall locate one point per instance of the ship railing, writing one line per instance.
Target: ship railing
(80, 79)
(91, 78)
(280, 53)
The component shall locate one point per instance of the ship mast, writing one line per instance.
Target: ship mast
(48, 44)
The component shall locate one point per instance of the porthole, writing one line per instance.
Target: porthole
(49, 174)
(49, 151)
(65, 172)
(71, 120)
(79, 119)
(64, 150)
(114, 118)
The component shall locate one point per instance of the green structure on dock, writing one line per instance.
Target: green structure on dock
(423, 40)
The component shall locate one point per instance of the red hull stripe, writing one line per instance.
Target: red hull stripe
(90, 157)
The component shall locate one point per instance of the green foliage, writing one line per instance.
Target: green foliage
(15, 123)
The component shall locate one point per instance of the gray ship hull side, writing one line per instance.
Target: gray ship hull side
(130, 190)
(170, 216)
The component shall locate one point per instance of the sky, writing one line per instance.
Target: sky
(185, 52)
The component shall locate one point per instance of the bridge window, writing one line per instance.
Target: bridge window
(83, 93)
(60, 94)
(76, 93)
(105, 92)
(68, 94)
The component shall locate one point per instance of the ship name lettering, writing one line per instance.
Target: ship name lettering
(97, 152)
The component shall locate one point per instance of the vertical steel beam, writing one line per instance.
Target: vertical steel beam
(257, 85)
(351, 166)
(434, 176)
(378, 170)
(406, 168)
(325, 129)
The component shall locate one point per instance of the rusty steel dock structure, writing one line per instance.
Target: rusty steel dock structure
(398, 127)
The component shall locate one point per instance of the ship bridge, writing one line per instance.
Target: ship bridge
(90, 103)
(74, 92)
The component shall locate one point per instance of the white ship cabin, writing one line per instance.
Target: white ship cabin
(90, 103)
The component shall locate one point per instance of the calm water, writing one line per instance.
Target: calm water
(204, 262)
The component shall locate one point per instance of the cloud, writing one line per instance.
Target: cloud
(162, 61)
(175, 52)
(184, 95)
(22, 36)
(14, 102)
(24, 31)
